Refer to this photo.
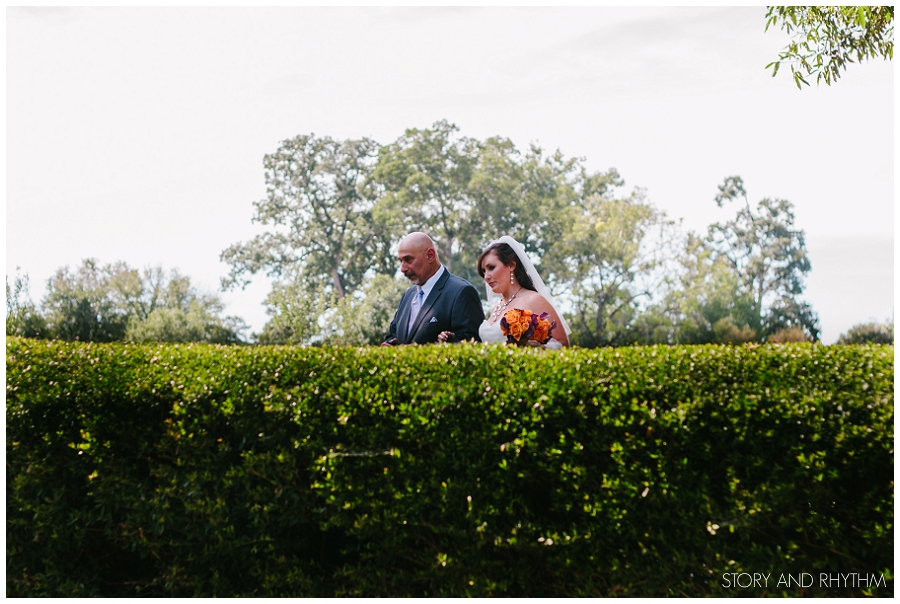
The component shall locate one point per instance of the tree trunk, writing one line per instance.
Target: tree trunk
(600, 321)
(338, 285)
(446, 257)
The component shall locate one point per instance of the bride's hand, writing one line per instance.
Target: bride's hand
(445, 336)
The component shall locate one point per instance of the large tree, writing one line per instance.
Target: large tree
(827, 38)
(327, 227)
(82, 304)
(768, 257)
(609, 262)
(425, 175)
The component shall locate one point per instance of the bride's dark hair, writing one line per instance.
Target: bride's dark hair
(506, 255)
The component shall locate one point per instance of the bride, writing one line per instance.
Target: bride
(510, 276)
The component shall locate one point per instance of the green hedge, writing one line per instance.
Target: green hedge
(196, 470)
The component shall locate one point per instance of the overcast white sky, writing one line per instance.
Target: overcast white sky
(138, 134)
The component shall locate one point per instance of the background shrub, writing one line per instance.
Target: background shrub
(869, 333)
(788, 334)
(199, 470)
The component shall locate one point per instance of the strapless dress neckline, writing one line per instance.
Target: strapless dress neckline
(491, 333)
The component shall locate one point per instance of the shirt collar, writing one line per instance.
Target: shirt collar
(429, 285)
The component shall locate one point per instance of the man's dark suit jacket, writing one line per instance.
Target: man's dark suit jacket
(452, 305)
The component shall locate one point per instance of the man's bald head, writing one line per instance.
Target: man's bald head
(417, 241)
(418, 258)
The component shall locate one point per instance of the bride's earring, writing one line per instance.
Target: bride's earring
(511, 278)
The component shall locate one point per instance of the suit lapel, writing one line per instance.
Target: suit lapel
(403, 317)
(428, 303)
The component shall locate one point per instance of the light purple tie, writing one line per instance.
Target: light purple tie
(415, 307)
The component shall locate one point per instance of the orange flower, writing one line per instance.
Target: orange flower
(513, 315)
(520, 324)
(542, 330)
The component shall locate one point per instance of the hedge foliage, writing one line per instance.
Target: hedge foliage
(200, 470)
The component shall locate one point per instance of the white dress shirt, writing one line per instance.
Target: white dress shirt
(421, 295)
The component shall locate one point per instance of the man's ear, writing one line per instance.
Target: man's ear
(431, 254)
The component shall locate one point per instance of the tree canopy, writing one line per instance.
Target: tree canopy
(869, 333)
(741, 282)
(768, 255)
(22, 317)
(620, 266)
(113, 302)
(321, 207)
(334, 210)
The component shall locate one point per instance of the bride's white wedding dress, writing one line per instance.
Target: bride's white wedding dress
(491, 334)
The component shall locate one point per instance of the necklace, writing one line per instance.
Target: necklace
(501, 307)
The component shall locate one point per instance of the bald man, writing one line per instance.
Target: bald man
(437, 300)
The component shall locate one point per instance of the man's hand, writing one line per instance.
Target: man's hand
(446, 336)
(391, 342)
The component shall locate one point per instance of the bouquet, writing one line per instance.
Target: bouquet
(519, 326)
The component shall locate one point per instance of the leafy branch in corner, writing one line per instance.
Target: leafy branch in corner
(827, 38)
